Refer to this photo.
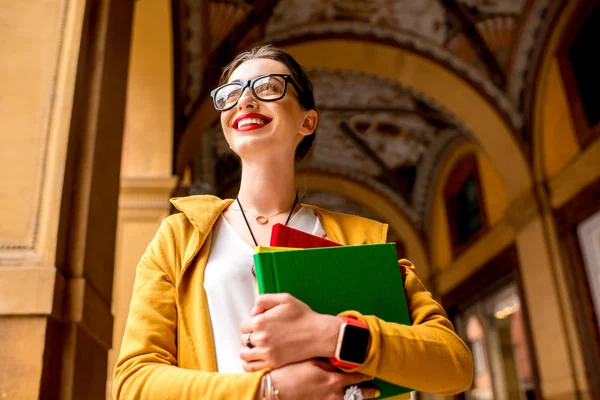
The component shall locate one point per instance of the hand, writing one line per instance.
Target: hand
(285, 331)
(315, 379)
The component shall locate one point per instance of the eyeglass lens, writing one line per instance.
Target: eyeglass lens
(267, 88)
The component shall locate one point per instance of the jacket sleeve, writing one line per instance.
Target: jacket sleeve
(147, 365)
(427, 356)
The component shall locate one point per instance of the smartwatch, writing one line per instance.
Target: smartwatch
(352, 345)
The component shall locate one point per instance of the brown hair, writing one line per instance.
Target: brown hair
(305, 97)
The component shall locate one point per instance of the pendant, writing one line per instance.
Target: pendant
(261, 220)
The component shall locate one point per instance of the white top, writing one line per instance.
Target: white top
(231, 287)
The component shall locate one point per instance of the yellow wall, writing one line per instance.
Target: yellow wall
(494, 195)
(559, 141)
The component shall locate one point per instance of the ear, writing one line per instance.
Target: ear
(311, 119)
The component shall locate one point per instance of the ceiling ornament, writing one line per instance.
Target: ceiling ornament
(494, 7)
(411, 42)
(426, 18)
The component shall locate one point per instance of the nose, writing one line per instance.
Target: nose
(246, 100)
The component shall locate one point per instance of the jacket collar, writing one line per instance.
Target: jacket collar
(204, 210)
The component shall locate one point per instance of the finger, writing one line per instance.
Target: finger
(256, 310)
(246, 327)
(253, 366)
(244, 338)
(370, 393)
(266, 302)
(250, 355)
(349, 379)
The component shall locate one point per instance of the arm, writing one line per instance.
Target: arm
(427, 356)
(147, 365)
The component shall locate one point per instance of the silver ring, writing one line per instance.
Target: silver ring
(353, 393)
(248, 342)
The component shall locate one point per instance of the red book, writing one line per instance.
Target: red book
(284, 236)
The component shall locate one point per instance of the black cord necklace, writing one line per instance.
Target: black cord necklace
(248, 225)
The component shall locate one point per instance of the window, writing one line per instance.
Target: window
(464, 204)
(580, 72)
(495, 328)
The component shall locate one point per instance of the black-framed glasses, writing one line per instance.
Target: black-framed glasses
(269, 87)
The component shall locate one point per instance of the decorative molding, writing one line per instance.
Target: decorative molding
(44, 152)
(146, 193)
(529, 39)
(423, 194)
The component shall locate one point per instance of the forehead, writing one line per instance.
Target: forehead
(261, 66)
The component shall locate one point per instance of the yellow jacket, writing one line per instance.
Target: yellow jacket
(168, 351)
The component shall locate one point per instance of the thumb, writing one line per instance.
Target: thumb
(266, 302)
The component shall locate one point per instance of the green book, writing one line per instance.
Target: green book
(364, 278)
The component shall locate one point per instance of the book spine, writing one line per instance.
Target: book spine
(265, 273)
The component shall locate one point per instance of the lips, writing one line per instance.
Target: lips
(251, 121)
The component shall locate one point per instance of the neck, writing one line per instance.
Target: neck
(267, 187)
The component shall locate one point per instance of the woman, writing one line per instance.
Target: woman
(197, 329)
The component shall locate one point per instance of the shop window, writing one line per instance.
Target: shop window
(464, 204)
(495, 330)
(580, 68)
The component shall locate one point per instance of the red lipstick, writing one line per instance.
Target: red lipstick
(252, 126)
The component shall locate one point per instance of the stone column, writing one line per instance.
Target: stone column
(63, 76)
(558, 355)
(146, 174)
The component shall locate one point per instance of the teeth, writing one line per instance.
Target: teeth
(251, 121)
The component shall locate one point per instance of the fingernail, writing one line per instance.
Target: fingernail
(371, 378)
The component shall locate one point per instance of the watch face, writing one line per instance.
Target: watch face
(355, 344)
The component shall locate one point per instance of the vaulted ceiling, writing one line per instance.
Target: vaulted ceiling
(390, 135)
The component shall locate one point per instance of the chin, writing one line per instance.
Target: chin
(251, 147)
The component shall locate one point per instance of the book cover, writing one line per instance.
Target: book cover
(284, 236)
(365, 278)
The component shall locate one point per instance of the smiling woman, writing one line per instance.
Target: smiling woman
(196, 326)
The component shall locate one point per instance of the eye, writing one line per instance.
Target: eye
(269, 87)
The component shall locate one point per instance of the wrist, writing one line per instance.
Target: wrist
(329, 336)
(267, 389)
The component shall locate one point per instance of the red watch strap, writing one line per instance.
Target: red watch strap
(353, 321)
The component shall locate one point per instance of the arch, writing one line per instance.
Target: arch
(436, 81)
(494, 194)
(381, 205)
